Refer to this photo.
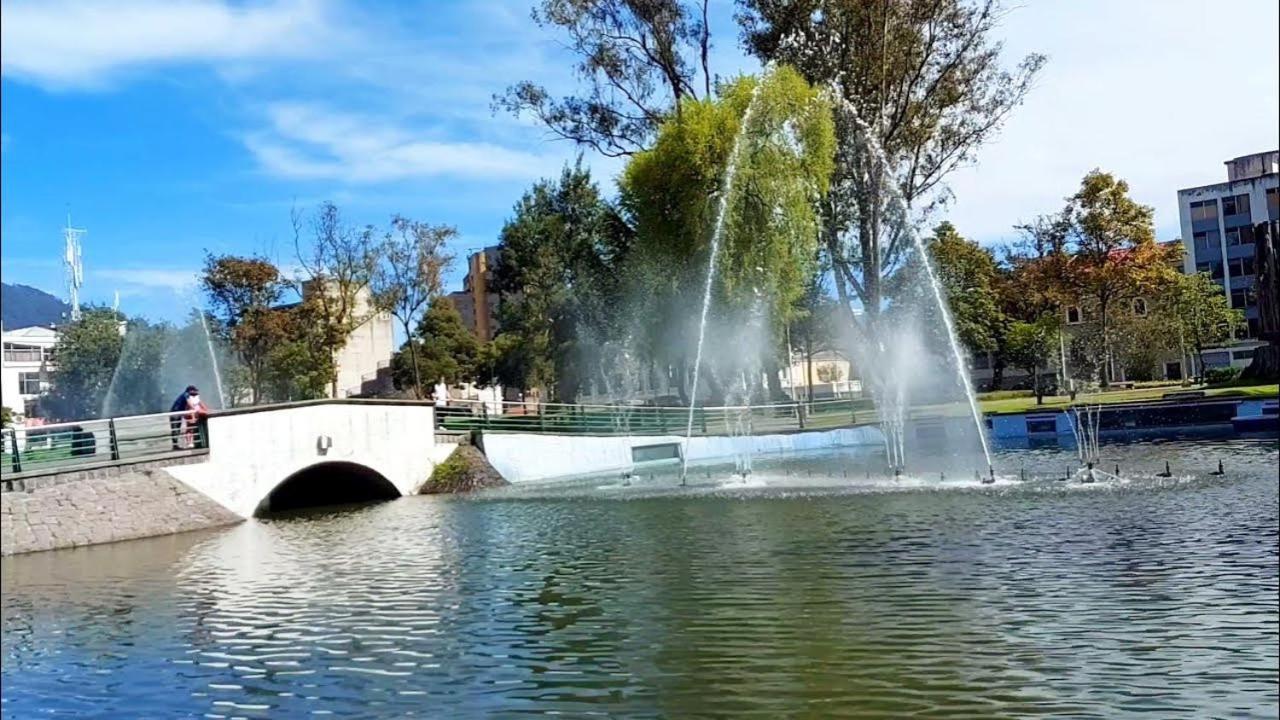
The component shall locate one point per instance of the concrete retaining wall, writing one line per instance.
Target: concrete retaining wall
(532, 457)
(104, 505)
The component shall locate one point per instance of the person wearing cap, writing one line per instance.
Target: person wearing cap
(176, 411)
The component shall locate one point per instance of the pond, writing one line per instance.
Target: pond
(812, 588)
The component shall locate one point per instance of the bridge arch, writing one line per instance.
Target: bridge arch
(337, 482)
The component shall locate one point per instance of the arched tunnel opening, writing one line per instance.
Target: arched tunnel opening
(327, 484)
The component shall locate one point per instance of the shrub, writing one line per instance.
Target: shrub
(1221, 375)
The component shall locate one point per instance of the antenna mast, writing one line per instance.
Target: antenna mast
(74, 266)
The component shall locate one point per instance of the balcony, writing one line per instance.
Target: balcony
(32, 355)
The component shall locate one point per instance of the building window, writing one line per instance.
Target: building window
(1204, 210)
(1240, 235)
(29, 383)
(1241, 267)
(1253, 328)
(1235, 205)
(1239, 298)
(1206, 241)
(1217, 359)
(1140, 307)
(1242, 354)
(1073, 315)
(1273, 203)
(1204, 267)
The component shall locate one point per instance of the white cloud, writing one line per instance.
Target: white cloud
(179, 280)
(310, 142)
(67, 44)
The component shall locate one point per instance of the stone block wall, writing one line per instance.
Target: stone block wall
(104, 505)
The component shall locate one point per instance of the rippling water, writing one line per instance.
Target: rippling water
(863, 597)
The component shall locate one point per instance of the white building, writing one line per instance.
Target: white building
(1218, 223)
(28, 360)
(364, 362)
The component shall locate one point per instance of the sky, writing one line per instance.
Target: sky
(172, 129)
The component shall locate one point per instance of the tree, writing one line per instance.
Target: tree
(1116, 258)
(638, 60)
(300, 366)
(969, 277)
(1198, 313)
(408, 276)
(1265, 366)
(336, 266)
(88, 353)
(558, 274)
(445, 349)
(672, 195)
(1031, 346)
(919, 87)
(242, 292)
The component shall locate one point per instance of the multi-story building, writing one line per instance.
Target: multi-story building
(27, 362)
(1218, 225)
(477, 303)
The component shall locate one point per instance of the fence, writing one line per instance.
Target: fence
(567, 419)
(68, 446)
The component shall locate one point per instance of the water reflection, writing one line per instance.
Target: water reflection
(1153, 597)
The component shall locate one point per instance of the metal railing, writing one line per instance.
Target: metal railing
(72, 445)
(598, 419)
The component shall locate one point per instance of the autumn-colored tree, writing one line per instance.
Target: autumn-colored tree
(1115, 257)
(242, 293)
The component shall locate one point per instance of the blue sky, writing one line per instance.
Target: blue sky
(172, 128)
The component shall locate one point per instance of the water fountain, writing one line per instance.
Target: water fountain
(157, 361)
(901, 213)
(726, 191)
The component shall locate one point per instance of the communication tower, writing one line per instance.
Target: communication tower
(74, 266)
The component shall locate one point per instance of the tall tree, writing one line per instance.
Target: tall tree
(637, 59)
(919, 87)
(446, 350)
(558, 273)
(242, 292)
(407, 276)
(1116, 258)
(969, 277)
(336, 265)
(300, 366)
(1265, 366)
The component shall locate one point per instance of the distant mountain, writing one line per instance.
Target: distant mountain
(24, 306)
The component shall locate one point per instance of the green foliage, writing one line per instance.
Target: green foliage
(446, 349)
(1031, 346)
(927, 80)
(299, 366)
(1198, 312)
(6, 416)
(88, 351)
(1221, 375)
(970, 280)
(558, 273)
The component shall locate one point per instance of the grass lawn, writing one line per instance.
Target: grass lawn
(1004, 404)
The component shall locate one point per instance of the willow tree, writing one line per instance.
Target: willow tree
(919, 86)
(671, 194)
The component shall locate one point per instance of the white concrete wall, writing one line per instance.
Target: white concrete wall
(251, 453)
(530, 457)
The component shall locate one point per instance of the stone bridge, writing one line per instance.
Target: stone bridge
(259, 460)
